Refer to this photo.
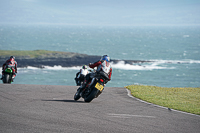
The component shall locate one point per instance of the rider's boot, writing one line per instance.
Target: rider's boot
(13, 77)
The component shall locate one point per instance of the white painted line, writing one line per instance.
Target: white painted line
(129, 94)
(130, 116)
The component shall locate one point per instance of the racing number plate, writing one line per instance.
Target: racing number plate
(99, 86)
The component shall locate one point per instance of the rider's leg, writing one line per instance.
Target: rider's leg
(87, 80)
(14, 75)
(2, 75)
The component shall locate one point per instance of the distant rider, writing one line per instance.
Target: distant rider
(80, 76)
(10, 63)
(103, 67)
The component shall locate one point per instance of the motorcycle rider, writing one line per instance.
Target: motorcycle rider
(103, 67)
(10, 63)
(80, 76)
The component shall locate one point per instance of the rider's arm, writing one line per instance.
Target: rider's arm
(95, 64)
(110, 73)
(15, 66)
(78, 73)
(4, 64)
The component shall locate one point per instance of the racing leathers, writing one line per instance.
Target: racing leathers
(102, 67)
(10, 63)
(80, 76)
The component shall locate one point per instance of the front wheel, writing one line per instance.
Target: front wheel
(6, 79)
(77, 95)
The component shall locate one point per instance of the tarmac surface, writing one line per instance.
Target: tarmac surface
(52, 109)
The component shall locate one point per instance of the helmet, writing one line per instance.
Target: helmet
(105, 58)
(12, 57)
(84, 67)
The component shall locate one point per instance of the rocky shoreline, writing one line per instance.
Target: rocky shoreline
(64, 61)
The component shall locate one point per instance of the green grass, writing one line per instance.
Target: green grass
(30, 54)
(183, 99)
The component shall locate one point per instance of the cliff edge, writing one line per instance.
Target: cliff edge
(40, 58)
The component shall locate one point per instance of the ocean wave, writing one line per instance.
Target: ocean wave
(62, 68)
(188, 61)
(153, 64)
(52, 68)
(150, 66)
(120, 65)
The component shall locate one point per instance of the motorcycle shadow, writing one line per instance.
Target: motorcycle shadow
(69, 101)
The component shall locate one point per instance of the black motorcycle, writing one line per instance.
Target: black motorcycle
(94, 88)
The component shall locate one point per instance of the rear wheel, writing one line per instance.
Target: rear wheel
(91, 96)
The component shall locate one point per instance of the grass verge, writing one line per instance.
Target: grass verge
(31, 54)
(183, 99)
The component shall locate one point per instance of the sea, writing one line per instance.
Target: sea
(173, 52)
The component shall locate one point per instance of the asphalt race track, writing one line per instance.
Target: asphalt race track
(51, 109)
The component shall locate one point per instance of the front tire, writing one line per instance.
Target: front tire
(6, 79)
(77, 95)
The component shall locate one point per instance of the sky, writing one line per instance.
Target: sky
(100, 12)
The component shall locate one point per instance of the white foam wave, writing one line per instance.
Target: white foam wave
(188, 61)
(62, 68)
(32, 68)
(53, 68)
(122, 65)
(155, 64)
